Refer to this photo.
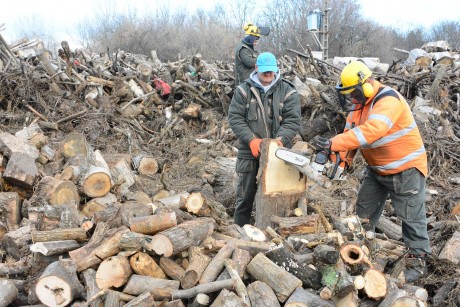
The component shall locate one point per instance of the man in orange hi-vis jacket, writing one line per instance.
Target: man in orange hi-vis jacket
(381, 125)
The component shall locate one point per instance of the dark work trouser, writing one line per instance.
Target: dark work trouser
(407, 194)
(246, 189)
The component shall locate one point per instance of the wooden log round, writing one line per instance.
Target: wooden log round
(146, 165)
(97, 182)
(352, 253)
(58, 285)
(375, 285)
(56, 192)
(113, 272)
(171, 268)
(194, 202)
(143, 264)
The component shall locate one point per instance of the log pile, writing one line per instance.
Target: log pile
(117, 187)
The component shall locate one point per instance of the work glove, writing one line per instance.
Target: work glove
(323, 150)
(254, 144)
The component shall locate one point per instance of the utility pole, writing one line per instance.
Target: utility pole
(318, 23)
(325, 29)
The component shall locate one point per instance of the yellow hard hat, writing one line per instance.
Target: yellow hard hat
(251, 29)
(355, 73)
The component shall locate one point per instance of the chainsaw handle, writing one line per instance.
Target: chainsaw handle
(336, 166)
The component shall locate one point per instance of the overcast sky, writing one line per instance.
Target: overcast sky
(63, 15)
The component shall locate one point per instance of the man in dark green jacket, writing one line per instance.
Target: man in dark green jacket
(245, 54)
(263, 106)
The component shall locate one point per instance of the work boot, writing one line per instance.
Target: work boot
(415, 267)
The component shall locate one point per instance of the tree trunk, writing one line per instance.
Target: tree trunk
(143, 264)
(54, 247)
(304, 298)
(263, 269)
(113, 272)
(58, 285)
(197, 265)
(177, 239)
(153, 224)
(279, 188)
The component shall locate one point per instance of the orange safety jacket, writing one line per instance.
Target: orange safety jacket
(386, 133)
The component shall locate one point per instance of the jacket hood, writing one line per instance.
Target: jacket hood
(255, 79)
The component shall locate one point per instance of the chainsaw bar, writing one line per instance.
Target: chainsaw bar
(291, 157)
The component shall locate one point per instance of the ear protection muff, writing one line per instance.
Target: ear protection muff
(368, 89)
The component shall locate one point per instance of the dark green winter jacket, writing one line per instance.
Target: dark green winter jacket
(256, 114)
(245, 61)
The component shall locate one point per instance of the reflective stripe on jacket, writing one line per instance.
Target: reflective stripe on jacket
(386, 133)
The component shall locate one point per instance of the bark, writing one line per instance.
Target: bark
(304, 298)
(143, 264)
(261, 294)
(198, 263)
(16, 243)
(8, 292)
(297, 225)
(77, 234)
(138, 284)
(10, 209)
(217, 264)
(54, 247)
(153, 224)
(204, 288)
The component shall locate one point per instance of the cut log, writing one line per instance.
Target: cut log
(98, 248)
(195, 202)
(297, 225)
(283, 258)
(96, 182)
(254, 233)
(400, 297)
(450, 251)
(227, 299)
(3, 230)
(177, 239)
(54, 247)
(131, 241)
(143, 264)
(375, 285)
(201, 300)
(145, 165)
(241, 258)
(77, 234)
(279, 188)
(349, 300)
(261, 294)
(10, 209)
(146, 299)
(337, 279)
(217, 264)
(390, 229)
(46, 218)
(113, 272)
(204, 288)
(132, 209)
(58, 285)
(252, 247)
(54, 192)
(443, 292)
(16, 243)
(326, 254)
(265, 270)
(74, 144)
(304, 298)
(10, 144)
(88, 277)
(21, 171)
(123, 174)
(197, 265)
(352, 253)
(417, 292)
(171, 268)
(8, 293)
(153, 224)
(239, 285)
(98, 204)
(138, 284)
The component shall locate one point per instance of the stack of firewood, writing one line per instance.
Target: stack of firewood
(79, 225)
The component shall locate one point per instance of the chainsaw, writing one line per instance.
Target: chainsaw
(315, 167)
